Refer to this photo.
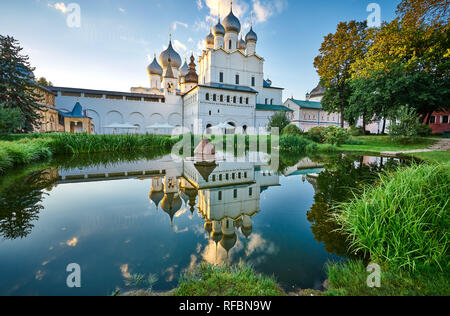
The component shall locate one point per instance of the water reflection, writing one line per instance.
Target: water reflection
(163, 216)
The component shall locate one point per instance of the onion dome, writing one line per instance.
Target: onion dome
(251, 36)
(184, 70)
(231, 22)
(242, 45)
(246, 231)
(171, 204)
(171, 54)
(228, 242)
(154, 68)
(208, 227)
(219, 30)
(156, 197)
(210, 39)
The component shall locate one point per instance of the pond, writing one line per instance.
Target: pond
(121, 217)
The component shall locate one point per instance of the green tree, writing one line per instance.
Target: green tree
(43, 82)
(10, 120)
(17, 86)
(279, 120)
(334, 63)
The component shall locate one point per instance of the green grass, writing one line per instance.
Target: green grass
(350, 279)
(379, 144)
(237, 280)
(25, 149)
(434, 156)
(404, 220)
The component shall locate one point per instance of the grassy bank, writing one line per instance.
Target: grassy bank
(25, 149)
(238, 280)
(402, 223)
(379, 144)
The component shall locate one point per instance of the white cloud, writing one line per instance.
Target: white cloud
(263, 10)
(199, 4)
(60, 6)
(179, 46)
(176, 23)
(122, 10)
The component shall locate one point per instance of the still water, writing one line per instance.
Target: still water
(120, 217)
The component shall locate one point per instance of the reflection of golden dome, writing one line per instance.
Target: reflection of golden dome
(192, 194)
(171, 204)
(228, 242)
(156, 197)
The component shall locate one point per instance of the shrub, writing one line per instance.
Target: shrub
(424, 130)
(356, 131)
(292, 130)
(279, 120)
(404, 221)
(407, 128)
(294, 144)
(316, 134)
(335, 136)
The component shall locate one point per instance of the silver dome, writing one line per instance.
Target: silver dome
(251, 36)
(184, 70)
(171, 54)
(154, 68)
(219, 30)
(210, 39)
(231, 23)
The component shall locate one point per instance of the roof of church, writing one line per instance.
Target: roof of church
(230, 87)
(308, 104)
(269, 107)
(318, 91)
(76, 112)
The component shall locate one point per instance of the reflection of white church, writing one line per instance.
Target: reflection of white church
(228, 92)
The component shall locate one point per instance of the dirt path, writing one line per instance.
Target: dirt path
(441, 145)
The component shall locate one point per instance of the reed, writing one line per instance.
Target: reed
(404, 220)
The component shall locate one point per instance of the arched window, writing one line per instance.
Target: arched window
(267, 101)
(221, 98)
(246, 101)
(207, 97)
(241, 100)
(228, 99)
(271, 102)
(234, 100)
(214, 97)
(230, 45)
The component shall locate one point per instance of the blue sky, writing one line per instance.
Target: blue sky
(111, 49)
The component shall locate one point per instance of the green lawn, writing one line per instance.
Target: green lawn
(434, 156)
(379, 144)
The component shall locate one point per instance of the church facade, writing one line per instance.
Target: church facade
(226, 92)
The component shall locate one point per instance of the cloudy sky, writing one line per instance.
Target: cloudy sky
(116, 38)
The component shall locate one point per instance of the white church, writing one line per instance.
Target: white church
(228, 94)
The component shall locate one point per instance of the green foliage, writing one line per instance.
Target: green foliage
(336, 136)
(11, 120)
(292, 130)
(17, 87)
(316, 134)
(279, 120)
(403, 221)
(350, 279)
(406, 127)
(237, 280)
(424, 130)
(43, 82)
(296, 144)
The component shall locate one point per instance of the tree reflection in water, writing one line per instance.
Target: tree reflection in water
(20, 202)
(343, 177)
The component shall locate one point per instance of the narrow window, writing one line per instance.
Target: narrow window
(234, 100)
(235, 193)
(221, 98)
(214, 97)
(221, 77)
(250, 192)
(241, 100)
(246, 101)
(445, 119)
(207, 97)
(220, 177)
(230, 45)
(237, 79)
(220, 195)
(253, 81)
(228, 99)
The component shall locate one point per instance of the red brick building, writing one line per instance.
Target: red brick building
(440, 122)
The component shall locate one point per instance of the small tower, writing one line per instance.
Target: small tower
(210, 40)
(155, 72)
(191, 79)
(242, 45)
(219, 33)
(251, 39)
(169, 81)
(232, 29)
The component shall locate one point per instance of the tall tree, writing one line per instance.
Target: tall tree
(17, 86)
(334, 63)
(424, 11)
(44, 82)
